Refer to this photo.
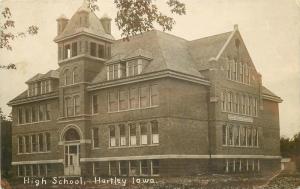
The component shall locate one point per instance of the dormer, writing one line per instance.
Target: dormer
(42, 84)
(121, 66)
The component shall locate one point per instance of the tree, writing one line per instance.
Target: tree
(7, 35)
(291, 148)
(133, 17)
(6, 144)
(138, 16)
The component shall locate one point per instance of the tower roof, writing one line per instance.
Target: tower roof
(93, 26)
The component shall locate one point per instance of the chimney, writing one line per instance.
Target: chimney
(236, 27)
(62, 22)
(106, 23)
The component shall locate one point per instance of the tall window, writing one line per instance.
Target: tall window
(34, 144)
(144, 97)
(20, 146)
(27, 144)
(155, 167)
(225, 134)
(116, 71)
(154, 132)
(43, 87)
(41, 142)
(236, 134)
(144, 133)
(112, 136)
(94, 104)
(154, 95)
(114, 168)
(93, 49)
(67, 77)
(133, 98)
(235, 103)
(113, 101)
(144, 167)
(241, 75)
(243, 136)
(67, 51)
(122, 68)
(110, 72)
(27, 115)
(234, 71)
(134, 168)
(95, 137)
(101, 51)
(255, 107)
(230, 135)
(69, 107)
(229, 102)
(123, 168)
(36, 88)
(132, 133)
(255, 137)
(20, 116)
(132, 68)
(74, 49)
(48, 142)
(48, 86)
(122, 135)
(223, 101)
(243, 104)
(76, 105)
(48, 111)
(249, 137)
(42, 112)
(123, 99)
(75, 75)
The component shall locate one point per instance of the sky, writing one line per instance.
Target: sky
(270, 30)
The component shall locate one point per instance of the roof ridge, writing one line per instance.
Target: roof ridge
(211, 36)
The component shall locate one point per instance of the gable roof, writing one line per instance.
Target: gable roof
(94, 26)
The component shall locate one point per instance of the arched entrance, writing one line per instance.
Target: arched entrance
(71, 139)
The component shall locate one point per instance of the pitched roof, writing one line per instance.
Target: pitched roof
(270, 95)
(268, 92)
(208, 47)
(169, 52)
(49, 74)
(94, 25)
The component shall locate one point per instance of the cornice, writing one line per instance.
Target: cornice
(31, 99)
(147, 77)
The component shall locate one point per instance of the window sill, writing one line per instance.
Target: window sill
(33, 123)
(239, 82)
(252, 147)
(239, 114)
(133, 109)
(33, 153)
(136, 146)
(98, 148)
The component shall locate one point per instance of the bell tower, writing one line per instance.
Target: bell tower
(84, 44)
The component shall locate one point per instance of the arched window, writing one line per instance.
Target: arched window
(71, 134)
(67, 77)
(75, 75)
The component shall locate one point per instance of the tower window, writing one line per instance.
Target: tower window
(74, 49)
(93, 49)
(100, 51)
(67, 51)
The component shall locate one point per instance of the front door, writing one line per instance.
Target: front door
(72, 167)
